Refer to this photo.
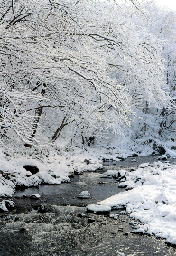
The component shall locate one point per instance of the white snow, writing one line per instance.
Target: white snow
(152, 199)
(114, 173)
(84, 194)
(170, 153)
(53, 170)
(98, 208)
(111, 173)
(3, 206)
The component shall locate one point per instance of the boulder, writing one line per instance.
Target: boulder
(6, 205)
(35, 196)
(84, 195)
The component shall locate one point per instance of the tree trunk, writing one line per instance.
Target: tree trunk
(59, 129)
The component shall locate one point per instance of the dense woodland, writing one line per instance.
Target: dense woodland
(81, 73)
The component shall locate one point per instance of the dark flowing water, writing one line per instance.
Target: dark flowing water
(58, 223)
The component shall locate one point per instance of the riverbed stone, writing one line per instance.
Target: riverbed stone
(6, 205)
(84, 195)
(35, 196)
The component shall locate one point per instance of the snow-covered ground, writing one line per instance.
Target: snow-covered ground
(54, 170)
(151, 198)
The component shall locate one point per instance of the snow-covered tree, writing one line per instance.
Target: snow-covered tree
(87, 62)
(157, 125)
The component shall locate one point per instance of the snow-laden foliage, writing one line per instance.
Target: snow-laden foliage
(76, 69)
(153, 125)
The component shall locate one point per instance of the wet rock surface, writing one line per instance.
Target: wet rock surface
(70, 230)
(58, 222)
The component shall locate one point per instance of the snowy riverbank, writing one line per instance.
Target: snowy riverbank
(150, 195)
(57, 169)
(151, 198)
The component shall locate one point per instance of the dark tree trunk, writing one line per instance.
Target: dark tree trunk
(59, 129)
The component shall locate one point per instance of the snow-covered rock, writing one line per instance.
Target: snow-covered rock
(117, 174)
(84, 195)
(35, 196)
(6, 205)
(97, 208)
(3, 207)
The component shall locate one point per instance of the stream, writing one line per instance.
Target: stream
(59, 224)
